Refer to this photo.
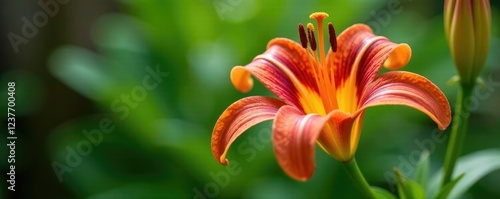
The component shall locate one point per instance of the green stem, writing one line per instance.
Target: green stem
(458, 132)
(358, 178)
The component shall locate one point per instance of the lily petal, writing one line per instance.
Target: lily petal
(358, 60)
(338, 134)
(237, 118)
(294, 137)
(286, 69)
(409, 89)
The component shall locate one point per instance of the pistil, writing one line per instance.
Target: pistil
(319, 16)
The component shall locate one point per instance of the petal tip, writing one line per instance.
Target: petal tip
(399, 57)
(443, 127)
(302, 179)
(223, 160)
(240, 77)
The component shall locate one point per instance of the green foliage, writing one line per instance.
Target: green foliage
(407, 188)
(469, 169)
(382, 193)
(445, 191)
(422, 171)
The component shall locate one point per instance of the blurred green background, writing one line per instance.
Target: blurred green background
(117, 99)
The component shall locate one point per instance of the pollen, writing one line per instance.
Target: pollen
(310, 26)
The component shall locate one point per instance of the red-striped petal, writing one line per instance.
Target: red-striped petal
(409, 89)
(358, 60)
(286, 69)
(294, 137)
(340, 135)
(237, 118)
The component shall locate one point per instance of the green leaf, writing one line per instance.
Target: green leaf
(407, 188)
(443, 193)
(475, 166)
(382, 193)
(422, 170)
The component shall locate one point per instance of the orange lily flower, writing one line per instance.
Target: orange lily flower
(322, 98)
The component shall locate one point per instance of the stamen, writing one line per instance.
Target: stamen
(303, 36)
(312, 39)
(333, 37)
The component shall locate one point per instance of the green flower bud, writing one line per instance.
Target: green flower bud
(468, 25)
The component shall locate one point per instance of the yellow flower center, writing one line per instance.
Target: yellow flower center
(322, 72)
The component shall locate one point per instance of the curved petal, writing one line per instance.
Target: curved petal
(409, 89)
(237, 118)
(340, 135)
(359, 57)
(294, 136)
(286, 69)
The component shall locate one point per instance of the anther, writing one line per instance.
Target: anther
(303, 36)
(333, 37)
(312, 39)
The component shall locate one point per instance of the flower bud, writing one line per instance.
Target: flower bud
(467, 26)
